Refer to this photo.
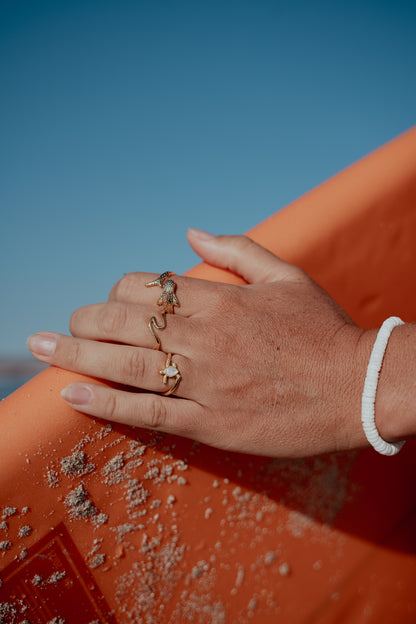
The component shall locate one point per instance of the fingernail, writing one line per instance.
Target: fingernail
(77, 394)
(201, 234)
(43, 344)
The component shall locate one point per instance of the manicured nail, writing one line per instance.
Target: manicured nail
(77, 394)
(43, 344)
(201, 234)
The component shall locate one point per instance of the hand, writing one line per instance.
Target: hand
(272, 368)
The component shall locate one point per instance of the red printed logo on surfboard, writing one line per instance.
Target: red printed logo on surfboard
(52, 586)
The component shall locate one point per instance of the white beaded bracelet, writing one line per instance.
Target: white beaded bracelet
(370, 389)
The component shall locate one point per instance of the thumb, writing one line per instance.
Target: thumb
(240, 255)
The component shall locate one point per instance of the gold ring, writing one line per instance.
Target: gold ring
(170, 372)
(152, 324)
(159, 281)
(167, 299)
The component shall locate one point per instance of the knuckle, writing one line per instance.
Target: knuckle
(74, 321)
(78, 319)
(124, 287)
(111, 406)
(133, 366)
(154, 412)
(73, 354)
(242, 241)
(111, 319)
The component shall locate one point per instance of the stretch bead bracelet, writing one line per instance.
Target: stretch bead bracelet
(370, 389)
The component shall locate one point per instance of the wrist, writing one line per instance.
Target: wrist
(368, 412)
(356, 345)
(395, 405)
(379, 384)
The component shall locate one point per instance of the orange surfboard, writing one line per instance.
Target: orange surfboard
(111, 524)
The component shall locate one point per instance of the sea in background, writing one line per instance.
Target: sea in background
(10, 385)
(14, 372)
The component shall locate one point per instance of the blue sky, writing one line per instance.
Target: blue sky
(124, 122)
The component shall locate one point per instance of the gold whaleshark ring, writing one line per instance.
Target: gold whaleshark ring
(167, 300)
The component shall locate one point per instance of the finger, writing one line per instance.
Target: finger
(130, 366)
(242, 256)
(152, 411)
(131, 288)
(128, 323)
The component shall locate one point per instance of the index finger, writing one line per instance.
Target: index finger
(193, 294)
